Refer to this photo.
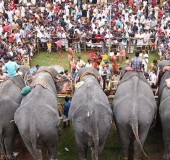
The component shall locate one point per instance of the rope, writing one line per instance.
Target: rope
(15, 84)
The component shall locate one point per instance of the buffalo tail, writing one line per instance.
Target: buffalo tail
(136, 134)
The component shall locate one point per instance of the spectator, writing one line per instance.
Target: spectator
(113, 59)
(145, 61)
(82, 63)
(3, 76)
(153, 65)
(136, 62)
(59, 48)
(108, 68)
(73, 73)
(67, 74)
(82, 25)
(153, 77)
(10, 67)
(71, 57)
(127, 61)
(49, 47)
(89, 63)
(77, 41)
(65, 112)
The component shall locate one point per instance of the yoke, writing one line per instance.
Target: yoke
(88, 72)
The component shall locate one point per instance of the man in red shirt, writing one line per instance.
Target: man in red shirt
(98, 37)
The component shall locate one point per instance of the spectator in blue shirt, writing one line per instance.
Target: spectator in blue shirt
(136, 62)
(66, 106)
(10, 67)
(66, 110)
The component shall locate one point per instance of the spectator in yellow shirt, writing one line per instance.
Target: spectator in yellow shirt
(49, 47)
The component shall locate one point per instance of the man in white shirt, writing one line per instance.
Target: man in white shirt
(140, 40)
(126, 16)
(145, 61)
(168, 31)
(17, 37)
(144, 3)
(147, 24)
(10, 14)
(153, 77)
(142, 19)
(2, 6)
(1, 30)
(89, 64)
(153, 23)
(163, 22)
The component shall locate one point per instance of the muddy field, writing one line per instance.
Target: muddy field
(153, 147)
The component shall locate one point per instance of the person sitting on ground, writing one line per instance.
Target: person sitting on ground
(136, 62)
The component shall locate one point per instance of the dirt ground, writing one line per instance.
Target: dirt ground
(23, 152)
(21, 149)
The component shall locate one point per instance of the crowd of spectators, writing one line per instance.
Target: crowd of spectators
(119, 27)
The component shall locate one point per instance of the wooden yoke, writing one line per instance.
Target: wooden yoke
(88, 72)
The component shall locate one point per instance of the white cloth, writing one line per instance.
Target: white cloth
(89, 65)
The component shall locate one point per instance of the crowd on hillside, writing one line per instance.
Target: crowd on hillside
(58, 25)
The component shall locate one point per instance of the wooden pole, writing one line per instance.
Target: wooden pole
(110, 29)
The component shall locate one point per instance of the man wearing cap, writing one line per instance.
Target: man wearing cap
(10, 67)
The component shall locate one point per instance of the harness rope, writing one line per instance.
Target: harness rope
(15, 83)
(41, 81)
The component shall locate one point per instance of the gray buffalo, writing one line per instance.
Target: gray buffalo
(164, 107)
(37, 118)
(10, 100)
(90, 113)
(134, 107)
